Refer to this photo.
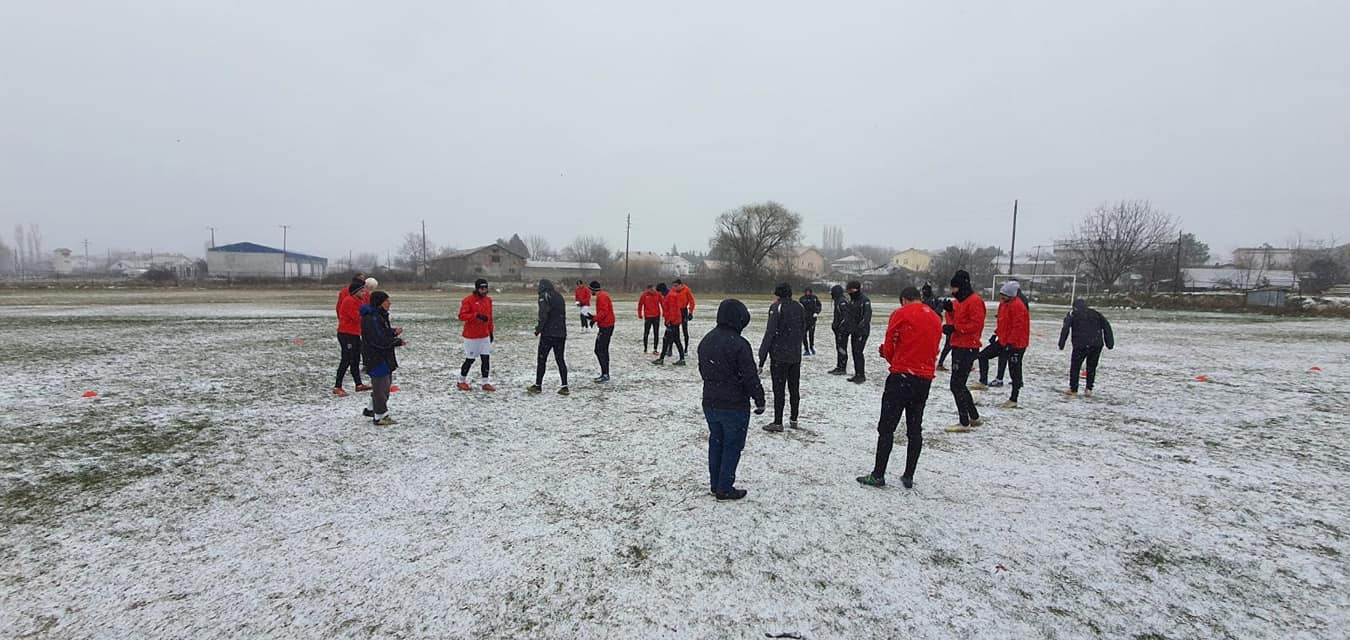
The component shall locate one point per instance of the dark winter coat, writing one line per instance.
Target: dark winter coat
(934, 303)
(727, 363)
(811, 304)
(860, 315)
(841, 322)
(783, 335)
(552, 312)
(378, 339)
(1088, 328)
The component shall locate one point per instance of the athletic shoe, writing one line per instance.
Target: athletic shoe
(487, 386)
(793, 423)
(368, 412)
(340, 392)
(997, 382)
(363, 387)
(858, 379)
(871, 481)
(907, 481)
(601, 379)
(463, 386)
(774, 427)
(735, 494)
(1070, 392)
(1011, 404)
(562, 391)
(976, 422)
(958, 428)
(534, 388)
(806, 352)
(679, 363)
(659, 361)
(385, 421)
(978, 386)
(1088, 393)
(837, 372)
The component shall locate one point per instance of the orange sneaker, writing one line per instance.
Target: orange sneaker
(488, 387)
(463, 386)
(339, 392)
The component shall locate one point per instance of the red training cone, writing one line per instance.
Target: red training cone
(1315, 369)
(298, 341)
(393, 388)
(89, 394)
(1202, 378)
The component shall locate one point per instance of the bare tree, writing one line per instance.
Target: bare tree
(749, 236)
(34, 245)
(977, 261)
(539, 246)
(410, 256)
(588, 249)
(20, 249)
(1113, 240)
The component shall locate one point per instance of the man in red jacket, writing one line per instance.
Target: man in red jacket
(672, 314)
(685, 298)
(1014, 331)
(475, 311)
(911, 347)
(349, 302)
(649, 312)
(604, 321)
(583, 297)
(967, 325)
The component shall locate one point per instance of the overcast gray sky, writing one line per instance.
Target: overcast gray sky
(138, 124)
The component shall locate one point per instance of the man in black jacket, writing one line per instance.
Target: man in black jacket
(552, 332)
(811, 305)
(1090, 332)
(840, 324)
(936, 304)
(860, 314)
(730, 381)
(378, 341)
(781, 339)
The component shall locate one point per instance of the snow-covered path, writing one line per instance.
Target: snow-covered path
(215, 489)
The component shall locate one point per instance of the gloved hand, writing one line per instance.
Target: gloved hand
(948, 329)
(482, 318)
(947, 304)
(759, 409)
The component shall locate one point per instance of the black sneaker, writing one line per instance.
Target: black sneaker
(837, 372)
(871, 481)
(679, 363)
(774, 427)
(793, 423)
(534, 388)
(858, 379)
(659, 361)
(907, 481)
(735, 494)
(601, 379)
(368, 413)
(562, 391)
(996, 383)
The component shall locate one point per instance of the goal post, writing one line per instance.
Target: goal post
(1029, 281)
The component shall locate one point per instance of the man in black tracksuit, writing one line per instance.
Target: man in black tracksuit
(860, 313)
(840, 324)
(811, 304)
(782, 338)
(1090, 332)
(552, 332)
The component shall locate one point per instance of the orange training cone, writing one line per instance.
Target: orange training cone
(1315, 369)
(393, 388)
(1202, 378)
(89, 394)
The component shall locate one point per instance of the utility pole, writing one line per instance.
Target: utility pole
(284, 228)
(627, 232)
(1176, 286)
(86, 253)
(213, 237)
(424, 251)
(1012, 250)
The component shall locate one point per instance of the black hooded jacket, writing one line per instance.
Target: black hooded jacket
(783, 335)
(377, 339)
(811, 304)
(860, 315)
(1088, 328)
(842, 321)
(727, 363)
(552, 312)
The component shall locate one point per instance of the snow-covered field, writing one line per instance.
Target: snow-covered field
(215, 488)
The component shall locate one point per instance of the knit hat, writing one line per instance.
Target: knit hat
(481, 282)
(378, 298)
(595, 285)
(783, 290)
(662, 288)
(961, 280)
(1010, 288)
(372, 283)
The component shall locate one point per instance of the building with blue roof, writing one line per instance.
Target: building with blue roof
(252, 260)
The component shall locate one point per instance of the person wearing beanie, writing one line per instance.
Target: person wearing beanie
(811, 305)
(378, 341)
(604, 322)
(685, 298)
(910, 346)
(1014, 330)
(475, 311)
(782, 342)
(860, 313)
(582, 294)
(966, 313)
(552, 332)
(1090, 331)
(672, 312)
(350, 299)
(996, 348)
(649, 312)
(840, 324)
(730, 383)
